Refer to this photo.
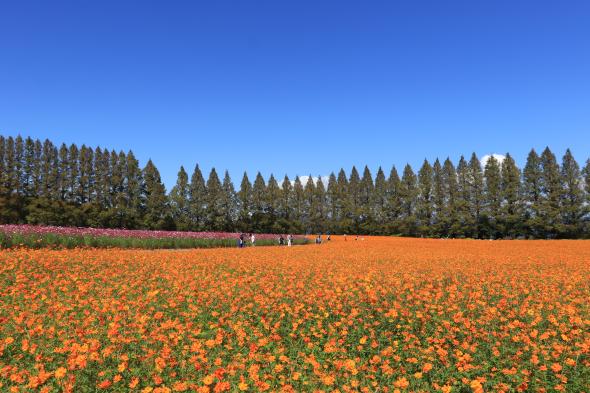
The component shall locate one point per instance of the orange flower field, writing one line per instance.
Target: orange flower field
(379, 314)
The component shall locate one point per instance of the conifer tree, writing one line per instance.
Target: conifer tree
(19, 153)
(86, 181)
(532, 194)
(379, 201)
(476, 192)
(259, 204)
(353, 202)
(133, 190)
(286, 200)
(332, 203)
(63, 175)
(438, 198)
(308, 203)
(229, 204)
(30, 162)
(394, 202)
(197, 200)
(366, 188)
(37, 169)
(449, 220)
(4, 186)
(245, 200)
(511, 214)
(492, 198)
(298, 202)
(73, 174)
(317, 208)
(179, 201)
(572, 203)
(273, 198)
(551, 192)
(465, 222)
(342, 203)
(215, 216)
(11, 177)
(409, 198)
(156, 205)
(424, 203)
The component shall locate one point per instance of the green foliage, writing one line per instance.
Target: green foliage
(81, 186)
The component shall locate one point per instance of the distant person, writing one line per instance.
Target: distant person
(241, 241)
(345, 237)
(253, 239)
(328, 238)
(289, 240)
(281, 240)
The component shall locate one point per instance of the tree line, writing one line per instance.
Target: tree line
(41, 183)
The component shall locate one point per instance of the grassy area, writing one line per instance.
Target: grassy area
(62, 241)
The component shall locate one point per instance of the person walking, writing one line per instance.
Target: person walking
(253, 239)
(289, 240)
(241, 241)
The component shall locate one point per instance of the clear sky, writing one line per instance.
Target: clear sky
(298, 87)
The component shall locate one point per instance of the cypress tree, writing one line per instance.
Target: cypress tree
(215, 216)
(245, 200)
(493, 198)
(342, 203)
(259, 204)
(73, 174)
(476, 192)
(19, 155)
(156, 206)
(438, 198)
(318, 219)
(532, 194)
(394, 202)
(273, 198)
(332, 203)
(134, 190)
(465, 222)
(179, 201)
(379, 201)
(197, 200)
(353, 200)
(28, 168)
(308, 203)
(4, 186)
(11, 177)
(448, 219)
(366, 188)
(409, 198)
(511, 211)
(424, 203)
(86, 177)
(572, 202)
(285, 202)
(229, 204)
(37, 169)
(551, 191)
(63, 175)
(298, 202)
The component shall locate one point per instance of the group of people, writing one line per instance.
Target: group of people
(252, 237)
(318, 239)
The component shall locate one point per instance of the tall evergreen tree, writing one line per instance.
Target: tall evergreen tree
(449, 219)
(197, 200)
(286, 200)
(572, 204)
(424, 203)
(366, 188)
(19, 155)
(465, 223)
(298, 203)
(551, 191)
(179, 201)
(308, 204)
(511, 214)
(532, 182)
(245, 201)
(438, 198)
(492, 198)
(215, 217)
(409, 198)
(476, 193)
(394, 202)
(156, 204)
(379, 202)
(317, 208)
(229, 204)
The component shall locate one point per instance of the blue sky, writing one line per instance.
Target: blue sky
(298, 87)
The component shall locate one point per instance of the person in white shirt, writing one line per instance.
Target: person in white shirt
(252, 239)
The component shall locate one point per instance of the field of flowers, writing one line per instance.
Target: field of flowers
(33, 236)
(382, 314)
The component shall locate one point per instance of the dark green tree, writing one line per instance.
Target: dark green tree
(197, 200)
(551, 195)
(424, 202)
(572, 204)
(512, 205)
(179, 201)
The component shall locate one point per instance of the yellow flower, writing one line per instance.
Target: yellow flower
(60, 372)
